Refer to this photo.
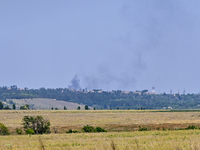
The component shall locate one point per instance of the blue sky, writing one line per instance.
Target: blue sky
(109, 45)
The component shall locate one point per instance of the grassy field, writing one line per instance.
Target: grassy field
(151, 140)
(122, 126)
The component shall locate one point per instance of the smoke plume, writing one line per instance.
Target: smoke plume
(75, 83)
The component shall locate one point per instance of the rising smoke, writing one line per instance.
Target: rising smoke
(151, 34)
(75, 83)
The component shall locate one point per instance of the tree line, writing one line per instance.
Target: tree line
(115, 99)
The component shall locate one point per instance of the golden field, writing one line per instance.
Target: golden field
(151, 140)
(122, 126)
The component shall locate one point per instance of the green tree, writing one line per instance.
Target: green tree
(144, 91)
(65, 108)
(25, 107)
(6, 108)
(88, 128)
(1, 105)
(13, 106)
(78, 108)
(37, 123)
(3, 129)
(86, 107)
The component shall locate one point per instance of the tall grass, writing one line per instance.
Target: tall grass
(139, 140)
(111, 120)
(41, 145)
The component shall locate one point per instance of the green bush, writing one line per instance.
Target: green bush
(75, 131)
(30, 131)
(99, 129)
(92, 129)
(142, 129)
(37, 123)
(88, 128)
(3, 129)
(192, 127)
(71, 131)
(19, 131)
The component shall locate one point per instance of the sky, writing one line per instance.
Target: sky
(110, 45)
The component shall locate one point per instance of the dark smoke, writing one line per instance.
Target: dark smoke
(110, 79)
(75, 83)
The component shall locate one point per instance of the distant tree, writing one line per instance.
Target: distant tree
(13, 106)
(1, 105)
(14, 87)
(78, 108)
(86, 107)
(56, 109)
(94, 108)
(144, 91)
(24, 107)
(51, 108)
(6, 108)
(65, 108)
(37, 123)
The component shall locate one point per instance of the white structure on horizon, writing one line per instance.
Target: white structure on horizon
(153, 90)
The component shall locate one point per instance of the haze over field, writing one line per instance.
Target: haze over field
(108, 45)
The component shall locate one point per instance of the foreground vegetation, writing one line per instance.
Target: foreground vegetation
(110, 120)
(126, 130)
(151, 140)
(115, 99)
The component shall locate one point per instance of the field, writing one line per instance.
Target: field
(122, 127)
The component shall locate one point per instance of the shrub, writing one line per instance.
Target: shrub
(30, 131)
(142, 129)
(99, 129)
(88, 128)
(92, 129)
(75, 131)
(19, 131)
(192, 127)
(37, 124)
(71, 131)
(3, 129)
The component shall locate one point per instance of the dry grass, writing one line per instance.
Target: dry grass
(151, 140)
(112, 120)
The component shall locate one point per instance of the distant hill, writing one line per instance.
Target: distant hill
(43, 103)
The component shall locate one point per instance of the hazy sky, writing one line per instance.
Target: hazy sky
(109, 45)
